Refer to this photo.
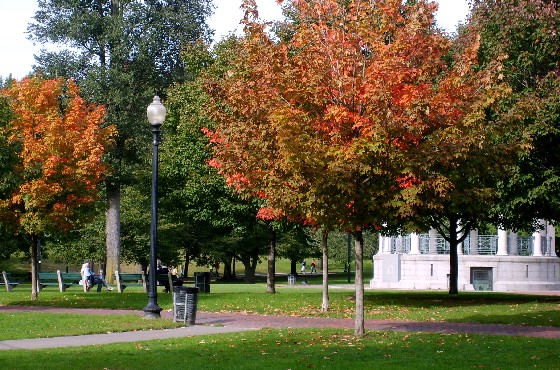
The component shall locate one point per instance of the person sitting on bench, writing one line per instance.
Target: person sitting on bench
(90, 279)
(163, 270)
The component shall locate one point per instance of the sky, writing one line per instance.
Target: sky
(16, 56)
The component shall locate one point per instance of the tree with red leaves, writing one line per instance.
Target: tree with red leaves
(61, 145)
(334, 122)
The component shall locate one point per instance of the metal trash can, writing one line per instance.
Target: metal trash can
(291, 279)
(185, 303)
(202, 281)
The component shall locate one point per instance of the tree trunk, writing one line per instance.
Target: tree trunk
(293, 267)
(271, 276)
(453, 257)
(227, 275)
(250, 266)
(186, 266)
(359, 284)
(325, 267)
(34, 275)
(113, 233)
(249, 277)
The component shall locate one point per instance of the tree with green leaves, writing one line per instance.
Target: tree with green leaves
(527, 32)
(120, 52)
(8, 177)
(200, 214)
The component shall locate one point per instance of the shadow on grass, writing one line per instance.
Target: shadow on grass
(441, 299)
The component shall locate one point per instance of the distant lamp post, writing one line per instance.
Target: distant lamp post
(156, 115)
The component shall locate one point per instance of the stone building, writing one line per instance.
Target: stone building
(504, 262)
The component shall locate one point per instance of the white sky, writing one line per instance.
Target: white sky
(16, 52)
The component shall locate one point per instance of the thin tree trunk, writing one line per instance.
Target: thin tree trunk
(271, 277)
(359, 284)
(113, 233)
(34, 275)
(186, 266)
(453, 257)
(325, 267)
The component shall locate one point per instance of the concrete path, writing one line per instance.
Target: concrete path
(214, 323)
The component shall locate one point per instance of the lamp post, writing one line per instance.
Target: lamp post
(156, 115)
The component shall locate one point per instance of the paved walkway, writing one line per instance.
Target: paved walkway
(214, 323)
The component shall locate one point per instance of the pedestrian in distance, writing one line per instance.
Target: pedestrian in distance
(313, 267)
(216, 270)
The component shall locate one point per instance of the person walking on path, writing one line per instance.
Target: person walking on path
(303, 265)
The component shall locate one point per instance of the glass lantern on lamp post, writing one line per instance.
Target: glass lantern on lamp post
(156, 115)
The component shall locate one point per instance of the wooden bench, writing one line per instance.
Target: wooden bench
(61, 279)
(124, 280)
(72, 278)
(8, 282)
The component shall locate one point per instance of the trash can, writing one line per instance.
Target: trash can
(291, 279)
(185, 303)
(202, 281)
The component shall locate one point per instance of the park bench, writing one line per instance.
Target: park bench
(7, 281)
(124, 280)
(72, 278)
(61, 279)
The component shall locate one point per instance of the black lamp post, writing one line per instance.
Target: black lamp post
(156, 115)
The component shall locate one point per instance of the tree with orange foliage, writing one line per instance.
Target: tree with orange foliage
(61, 144)
(334, 122)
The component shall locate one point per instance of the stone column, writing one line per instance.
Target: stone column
(381, 249)
(473, 244)
(513, 244)
(414, 243)
(384, 246)
(537, 244)
(459, 236)
(551, 231)
(502, 243)
(432, 244)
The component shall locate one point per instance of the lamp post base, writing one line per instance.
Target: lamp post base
(152, 311)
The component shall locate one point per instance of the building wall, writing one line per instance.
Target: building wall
(427, 271)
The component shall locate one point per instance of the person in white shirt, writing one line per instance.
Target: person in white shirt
(90, 279)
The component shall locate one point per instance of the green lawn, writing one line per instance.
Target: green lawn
(301, 349)
(477, 307)
(286, 349)
(21, 266)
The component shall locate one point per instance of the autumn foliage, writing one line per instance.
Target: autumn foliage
(359, 114)
(62, 142)
(357, 101)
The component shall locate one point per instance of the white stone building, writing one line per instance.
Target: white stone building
(503, 263)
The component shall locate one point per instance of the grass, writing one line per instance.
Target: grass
(300, 349)
(19, 266)
(286, 349)
(475, 307)
(48, 325)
